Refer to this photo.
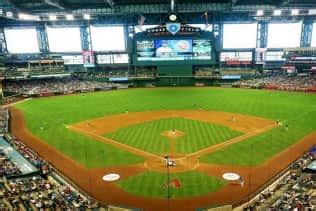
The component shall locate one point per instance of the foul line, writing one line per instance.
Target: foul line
(193, 155)
(116, 144)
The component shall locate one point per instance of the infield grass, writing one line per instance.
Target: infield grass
(197, 135)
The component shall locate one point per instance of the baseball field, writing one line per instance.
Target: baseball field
(206, 131)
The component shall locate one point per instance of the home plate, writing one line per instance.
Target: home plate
(231, 176)
(111, 177)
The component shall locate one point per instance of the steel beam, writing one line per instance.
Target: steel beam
(3, 44)
(306, 35)
(42, 39)
(262, 34)
(85, 38)
(55, 4)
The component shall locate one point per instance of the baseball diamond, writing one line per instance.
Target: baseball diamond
(218, 135)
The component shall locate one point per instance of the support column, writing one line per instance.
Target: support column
(262, 35)
(42, 39)
(218, 35)
(218, 39)
(306, 35)
(85, 36)
(129, 34)
(3, 44)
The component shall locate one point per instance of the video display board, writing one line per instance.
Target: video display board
(173, 50)
(239, 36)
(202, 49)
(313, 44)
(108, 38)
(62, 39)
(15, 43)
(284, 35)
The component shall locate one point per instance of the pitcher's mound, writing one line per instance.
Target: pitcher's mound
(173, 133)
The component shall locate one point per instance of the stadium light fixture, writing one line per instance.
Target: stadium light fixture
(28, 17)
(312, 12)
(277, 12)
(22, 16)
(295, 12)
(52, 18)
(86, 16)
(70, 17)
(173, 17)
(9, 14)
(260, 12)
(172, 5)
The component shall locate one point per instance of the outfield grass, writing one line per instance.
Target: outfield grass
(198, 135)
(55, 113)
(258, 149)
(151, 184)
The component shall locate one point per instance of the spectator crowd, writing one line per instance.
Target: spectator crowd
(7, 167)
(281, 82)
(43, 190)
(4, 118)
(37, 193)
(27, 153)
(51, 86)
(294, 191)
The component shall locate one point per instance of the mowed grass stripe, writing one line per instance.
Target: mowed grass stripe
(152, 184)
(196, 139)
(147, 136)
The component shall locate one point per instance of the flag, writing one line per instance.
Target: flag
(141, 20)
(206, 19)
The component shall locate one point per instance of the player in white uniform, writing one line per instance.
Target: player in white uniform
(164, 50)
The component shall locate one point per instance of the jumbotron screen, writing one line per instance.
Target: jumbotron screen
(173, 50)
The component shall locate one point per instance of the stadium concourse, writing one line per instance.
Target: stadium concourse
(159, 105)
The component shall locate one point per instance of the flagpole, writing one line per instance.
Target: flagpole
(172, 4)
(206, 19)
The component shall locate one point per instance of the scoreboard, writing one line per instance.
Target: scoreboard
(173, 50)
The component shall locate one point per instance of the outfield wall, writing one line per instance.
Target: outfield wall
(176, 81)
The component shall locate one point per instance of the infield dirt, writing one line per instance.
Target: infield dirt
(249, 125)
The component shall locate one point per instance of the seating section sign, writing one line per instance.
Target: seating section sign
(88, 58)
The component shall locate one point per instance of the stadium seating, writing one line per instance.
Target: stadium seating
(43, 190)
(50, 86)
(288, 83)
(294, 189)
